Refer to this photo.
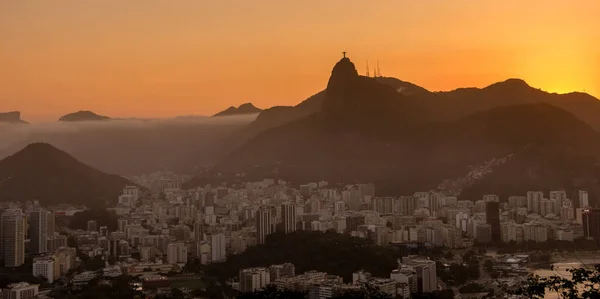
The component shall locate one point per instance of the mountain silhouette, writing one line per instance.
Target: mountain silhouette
(45, 173)
(369, 130)
(83, 116)
(13, 117)
(247, 108)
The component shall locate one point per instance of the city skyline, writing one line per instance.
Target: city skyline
(164, 60)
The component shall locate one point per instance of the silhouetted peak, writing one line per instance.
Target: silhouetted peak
(246, 108)
(12, 117)
(510, 84)
(343, 72)
(83, 115)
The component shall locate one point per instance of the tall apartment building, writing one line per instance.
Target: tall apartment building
(13, 237)
(177, 253)
(218, 244)
(288, 213)
(253, 279)
(591, 223)
(426, 272)
(264, 226)
(38, 231)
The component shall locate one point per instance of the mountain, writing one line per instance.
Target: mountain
(368, 131)
(45, 173)
(247, 108)
(83, 116)
(11, 117)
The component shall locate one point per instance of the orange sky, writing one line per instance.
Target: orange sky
(166, 58)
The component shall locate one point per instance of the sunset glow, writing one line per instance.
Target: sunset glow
(168, 58)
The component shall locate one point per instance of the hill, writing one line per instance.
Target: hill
(247, 108)
(367, 131)
(13, 117)
(83, 116)
(329, 252)
(45, 173)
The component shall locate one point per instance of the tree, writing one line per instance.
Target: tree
(584, 283)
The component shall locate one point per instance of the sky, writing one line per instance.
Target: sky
(157, 58)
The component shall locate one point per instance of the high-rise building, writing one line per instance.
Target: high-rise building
(583, 199)
(533, 201)
(354, 221)
(122, 224)
(288, 213)
(13, 237)
(51, 224)
(492, 211)
(177, 253)
(218, 247)
(198, 231)
(264, 225)
(253, 279)
(591, 223)
(38, 231)
(426, 272)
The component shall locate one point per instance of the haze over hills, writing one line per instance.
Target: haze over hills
(13, 117)
(247, 108)
(129, 147)
(83, 116)
(370, 130)
(45, 173)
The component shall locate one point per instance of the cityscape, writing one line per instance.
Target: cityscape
(163, 236)
(299, 149)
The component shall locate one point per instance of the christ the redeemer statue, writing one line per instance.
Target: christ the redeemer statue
(344, 54)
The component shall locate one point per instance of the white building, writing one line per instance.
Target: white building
(21, 290)
(253, 279)
(44, 267)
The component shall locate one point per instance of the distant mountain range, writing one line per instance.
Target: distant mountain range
(247, 108)
(405, 138)
(13, 117)
(83, 116)
(45, 173)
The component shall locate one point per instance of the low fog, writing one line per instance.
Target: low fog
(131, 146)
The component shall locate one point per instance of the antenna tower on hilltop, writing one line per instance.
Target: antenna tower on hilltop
(368, 69)
(378, 71)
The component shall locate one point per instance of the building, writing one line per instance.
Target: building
(218, 244)
(288, 213)
(591, 223)
(253, 279)
(38, 228)
(426, 273)
(354, 221)
(21, 290)
(282, 270)
(583, 199)
(264, 225)
(51, 224)
(492, 212)
(44, 267)
(177, 253)
(13, 237)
